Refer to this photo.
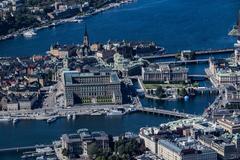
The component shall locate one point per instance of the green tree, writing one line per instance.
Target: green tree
(182, 92)
(160, 92)
(93, 150)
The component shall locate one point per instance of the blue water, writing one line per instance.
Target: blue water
(39, 132)
(174, 24)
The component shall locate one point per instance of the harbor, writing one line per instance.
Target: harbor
(43, 125)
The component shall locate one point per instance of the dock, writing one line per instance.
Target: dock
(200, 52)
(24, 148)
(165, 112)
(186, 61)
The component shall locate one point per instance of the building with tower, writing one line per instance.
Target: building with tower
(84, 49)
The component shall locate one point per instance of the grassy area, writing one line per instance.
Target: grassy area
(155, 86)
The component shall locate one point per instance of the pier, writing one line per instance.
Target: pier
(200, 52)
(185, 62)
(165, 112)
(25, 148)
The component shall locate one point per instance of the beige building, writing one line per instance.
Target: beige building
(184, 149)
(164, 73)
(232, 125)
(96, 88)
(150, 142)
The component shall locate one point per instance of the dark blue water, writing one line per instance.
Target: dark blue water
(195, 105)
(39, 132)
(174, 24)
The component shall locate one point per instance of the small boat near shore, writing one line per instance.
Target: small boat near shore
(15, 120)
(69, 116)
(5, 119)
(115, 113)
(51, 120)
(73, 116)
(29, 33)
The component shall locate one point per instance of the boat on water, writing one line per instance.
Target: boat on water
(69, 116)
(96, 114)
(115, 113)
(29, 33)
(15, 120)
(74, 116)
(51, 119)
(5, 119)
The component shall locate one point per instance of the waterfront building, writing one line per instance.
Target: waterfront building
(230, 124)
(224, 146)
(12, 104)
(27, 102)
(71, 143)
(151, 136)
(223, 72)
(150, 142)
(78, 144)
(226, 71)
(231, 97)
(184, 148)
(174, 145)
(59, 51)
(97, 88)
(164, 73)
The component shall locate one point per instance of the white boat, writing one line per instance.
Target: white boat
(15, 120)
(29, 33)
(51, 119)
(44, 150)
(115, 113)
(69, 116)
(96, 114)
(5, 119)
(74, 116)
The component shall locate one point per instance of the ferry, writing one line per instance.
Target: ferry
(51, 119)
(29, 33)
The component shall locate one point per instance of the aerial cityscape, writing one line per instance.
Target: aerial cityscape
(119, 80)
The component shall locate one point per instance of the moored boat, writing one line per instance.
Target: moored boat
(51, 119)
(29, 33)
(115, 113)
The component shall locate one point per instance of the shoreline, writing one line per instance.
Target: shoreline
(74, 19)
(47, 113)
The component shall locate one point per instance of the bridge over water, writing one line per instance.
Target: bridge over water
(186, 61)
(165, 112)
(200, 52)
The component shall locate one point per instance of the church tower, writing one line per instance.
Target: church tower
(86, 38)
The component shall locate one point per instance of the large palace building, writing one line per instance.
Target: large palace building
(95, 88)
(164, 73)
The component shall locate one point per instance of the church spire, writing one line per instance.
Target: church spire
(85, 37)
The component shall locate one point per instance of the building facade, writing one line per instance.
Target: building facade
(96, 88)
(184, 149)
(164, 73)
